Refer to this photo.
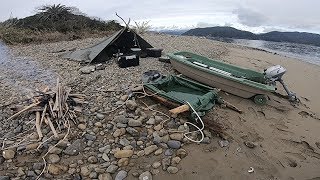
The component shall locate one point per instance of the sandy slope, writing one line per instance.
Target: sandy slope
(287, 137)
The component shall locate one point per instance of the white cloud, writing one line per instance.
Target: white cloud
(247, 14)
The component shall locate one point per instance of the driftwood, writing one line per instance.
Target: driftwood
(231, 106)
(179, 110)
(52, 108)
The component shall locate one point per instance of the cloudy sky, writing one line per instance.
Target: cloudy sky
(253, 15)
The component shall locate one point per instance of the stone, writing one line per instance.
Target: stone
(206, 140)
(135, 174)
(123, 154)
(182, 153)
(20, 172)
(18, 129)
(139, 143)
(151, 121)
(124, 97)
(121, 175)
(145, 176)
(158, 152)
(133, 132)
(168, 152)
(93, 159)
(8, 154)
(90, 137)
(175, 161)
(124, 142)
(105, 176)
(93, 175)
(87, 69)
(53, 158)
(156, 165)
(155, 171)
(84, 170)
(165, 138)
(137, 88)
(158, 119)
(172, 170)
(165, 163)
(37, 166)
(123, 162)
(55, 169)
(174, 144)
(4, 178)
(121, 125)
(150, 149)
(100, 116)
(207, 133)
(140, 153)
(250, 144)
(1, 160)
(176, 136)
(157, 127)
(156, 138)
(112, 168)
(98, 124)
(132, 105)
(31, 174)
(134, 123)
(121, 119)
(55, 150)
(32, 146)
(223, 143)
(105, 157)
(82, 126)
(119, 132)
(76, 147)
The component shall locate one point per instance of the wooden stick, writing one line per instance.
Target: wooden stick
(38, 125)
(43, 113)
(55, 107)
(230, 106)
(179, 109)
(23, 110)
(52, 127)
(51, 109)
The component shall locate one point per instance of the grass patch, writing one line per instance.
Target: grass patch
(54, 23)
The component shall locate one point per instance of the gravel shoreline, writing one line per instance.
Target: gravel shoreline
(131, 142)
(41, 59)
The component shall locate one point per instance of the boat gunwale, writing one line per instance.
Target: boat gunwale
(247, 82)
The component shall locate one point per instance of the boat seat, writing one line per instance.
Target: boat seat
(212, 68)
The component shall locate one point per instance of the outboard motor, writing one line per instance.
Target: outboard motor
(274, 74)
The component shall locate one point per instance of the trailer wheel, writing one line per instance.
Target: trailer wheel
(260, 99)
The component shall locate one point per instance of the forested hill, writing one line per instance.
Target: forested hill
(230, 32)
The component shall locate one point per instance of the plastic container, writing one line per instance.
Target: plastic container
(154, 52)
(136, 51)
(128, 61)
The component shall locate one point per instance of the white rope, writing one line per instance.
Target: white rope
(198, 129)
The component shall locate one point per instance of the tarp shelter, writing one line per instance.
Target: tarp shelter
(120, 41)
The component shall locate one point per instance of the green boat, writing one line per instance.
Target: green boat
(174, 91)
(239, 81)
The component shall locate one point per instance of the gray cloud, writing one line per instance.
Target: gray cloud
(250, 17)
(205, 24)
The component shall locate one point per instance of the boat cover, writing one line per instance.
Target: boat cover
(181, 90)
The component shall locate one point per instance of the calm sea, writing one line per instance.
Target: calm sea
(307, 53)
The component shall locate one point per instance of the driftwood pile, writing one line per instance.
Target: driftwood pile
(54, 108)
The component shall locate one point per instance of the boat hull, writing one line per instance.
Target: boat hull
(212, 80)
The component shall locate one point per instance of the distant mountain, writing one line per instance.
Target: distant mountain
(174, 32)
(230, 32)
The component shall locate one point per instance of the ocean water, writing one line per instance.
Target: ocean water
(22, 72)
(307, 53)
